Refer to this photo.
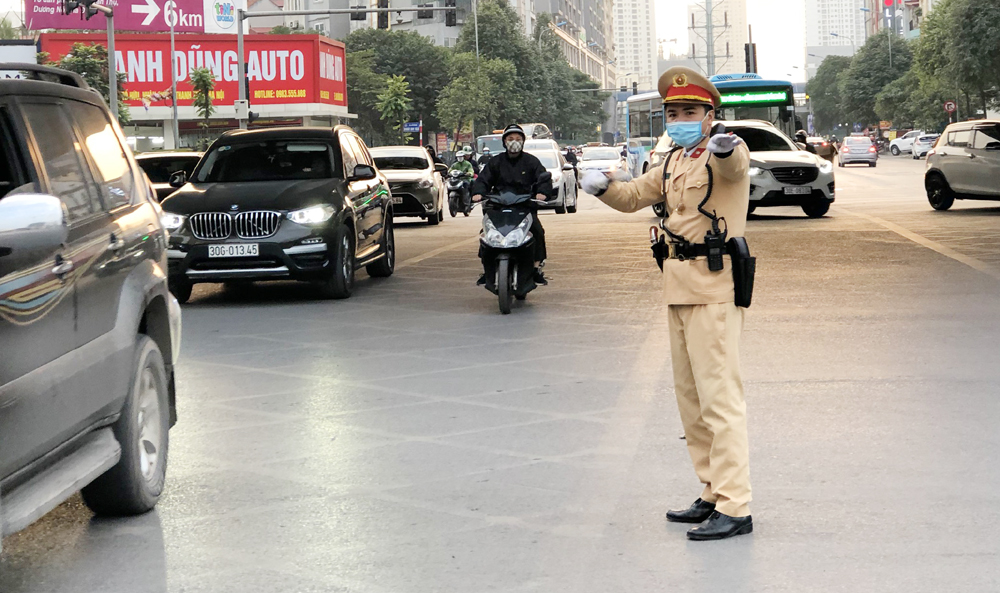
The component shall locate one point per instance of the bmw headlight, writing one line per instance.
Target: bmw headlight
(755, 171)
(312, 215)
(826, 167)
(425, 183)
(171, 221)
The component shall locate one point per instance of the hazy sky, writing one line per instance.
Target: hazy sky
(778, 30)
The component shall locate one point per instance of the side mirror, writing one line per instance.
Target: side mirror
(545, 177)
(362, 173)
(178, 179)
(32, 227)
(441, 167)
(567, 167)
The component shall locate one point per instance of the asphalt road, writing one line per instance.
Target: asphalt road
(411, 439)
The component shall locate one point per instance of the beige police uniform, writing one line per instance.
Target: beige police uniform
(705, 324)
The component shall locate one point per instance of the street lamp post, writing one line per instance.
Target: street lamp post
(854, 47)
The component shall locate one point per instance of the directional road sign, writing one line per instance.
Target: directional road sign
(143, 16)
(411, 127)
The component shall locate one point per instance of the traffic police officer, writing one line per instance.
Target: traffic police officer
(706, 186)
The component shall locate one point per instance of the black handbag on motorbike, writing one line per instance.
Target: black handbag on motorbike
(744, 268)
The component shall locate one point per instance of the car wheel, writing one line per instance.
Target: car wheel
(181, 288)
(841, 163)
(134, 485)
(341, 282)
(434, 218)
(939, 193)
(384, 267)
(894, 150)
(872, 165)
(816, 209)
(441, 213)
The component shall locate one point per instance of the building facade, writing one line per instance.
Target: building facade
(635, 43)
(725, 23)
(836, 23)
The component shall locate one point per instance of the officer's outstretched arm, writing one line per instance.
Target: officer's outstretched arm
(632, 196)
(733, 166)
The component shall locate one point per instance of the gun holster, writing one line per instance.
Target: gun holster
(744, 267)
(659, 246)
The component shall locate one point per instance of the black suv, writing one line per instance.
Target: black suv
(89, 333)
(288, 203)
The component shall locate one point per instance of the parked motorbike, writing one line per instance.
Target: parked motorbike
(459, 199)
(507, 247)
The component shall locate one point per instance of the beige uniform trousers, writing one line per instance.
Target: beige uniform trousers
(704, 347)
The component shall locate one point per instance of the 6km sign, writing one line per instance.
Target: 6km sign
(144, 16)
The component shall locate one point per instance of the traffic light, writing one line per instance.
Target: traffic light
(383, 17)
(624, 89)
(889, 3)
(252, 117)
(89, 11)
(750, 51)
(358, 16)
(425, 14)
(450, 17)
(635, 88)
(70, 6)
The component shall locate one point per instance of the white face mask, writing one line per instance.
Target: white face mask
(515, 146)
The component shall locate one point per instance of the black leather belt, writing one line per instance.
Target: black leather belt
(683, 251)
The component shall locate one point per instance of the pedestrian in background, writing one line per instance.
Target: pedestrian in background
(706, 186)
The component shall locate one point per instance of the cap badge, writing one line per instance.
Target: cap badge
(681, 80)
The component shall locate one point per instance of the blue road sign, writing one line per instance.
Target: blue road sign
(411, 127)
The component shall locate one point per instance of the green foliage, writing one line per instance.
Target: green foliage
(8, 30)
(909, 104)
(285, 30)
(394, 106)
(91, 62)
(824, 93)
(476, 93)
(363, 88)
(203, 83)
(870, 72)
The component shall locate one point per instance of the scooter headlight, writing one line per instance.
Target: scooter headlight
(494, 238)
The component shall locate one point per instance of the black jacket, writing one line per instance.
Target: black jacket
(519, 175)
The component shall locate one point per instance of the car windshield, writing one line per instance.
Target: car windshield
(398, 161)
(931, 138)
(601, 154)
(548, 158)
(852, 140)
(761, 140)
(159, 169)
(276, 160)
(494, 143)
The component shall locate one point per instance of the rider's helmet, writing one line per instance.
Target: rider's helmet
(467, 152)
(513, 147)
(486, 151)
(801, 136)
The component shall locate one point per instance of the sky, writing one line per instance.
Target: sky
(778, 30)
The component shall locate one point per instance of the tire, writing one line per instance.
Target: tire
(441, 213)
(134, 485)
(894, 150)
(181, 288)
(659, 209)
(841, 164)
(571, 209)
(560, 209)
(384, 267)
(434, 218)
(872, 165)
(505, 289)
(341, 283)
(816, 210)
(452, 207)
(939, 193)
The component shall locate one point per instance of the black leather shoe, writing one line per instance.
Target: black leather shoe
(481, 281)
(540, 278)
(696, 513)
(721, 526)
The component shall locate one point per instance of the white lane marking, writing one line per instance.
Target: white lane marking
(970, 261)
(435, 252)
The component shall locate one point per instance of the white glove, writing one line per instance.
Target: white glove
(621, 175)
(594, 182)
(723, 143)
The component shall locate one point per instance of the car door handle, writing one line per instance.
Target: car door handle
(63, 267)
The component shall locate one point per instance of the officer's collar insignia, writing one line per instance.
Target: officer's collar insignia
(697, 153)
(681, 80)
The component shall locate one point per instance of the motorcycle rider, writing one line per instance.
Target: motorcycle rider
(519, 172)
(464, 166)
(485, 158)
(802, 138)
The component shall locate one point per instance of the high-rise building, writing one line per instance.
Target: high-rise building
(832, 23)
(724, 22)
(635, 42)
(584, 29)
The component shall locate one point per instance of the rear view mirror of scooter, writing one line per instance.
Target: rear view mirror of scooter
(508, 247)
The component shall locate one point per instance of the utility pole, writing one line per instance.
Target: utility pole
(174, 125)
(710, 36)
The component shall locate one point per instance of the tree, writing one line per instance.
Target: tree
(8, 30)
(870, 72)
(406, 53)
(394, 106)
(363, 88)
(476, 93)
(203, 83)
(824, 93)
(285, 30)
(91, 62)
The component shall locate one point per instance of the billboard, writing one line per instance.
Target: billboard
(143, 16)
(17, 52)
(281, 69)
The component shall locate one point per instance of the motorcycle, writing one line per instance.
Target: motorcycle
(459, 199)
(507, 247)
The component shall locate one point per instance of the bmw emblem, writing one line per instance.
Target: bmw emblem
(234, 207)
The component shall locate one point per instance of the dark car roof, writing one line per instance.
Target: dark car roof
(314, 133)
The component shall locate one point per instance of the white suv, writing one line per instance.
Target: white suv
(965, 164)
(904, 143)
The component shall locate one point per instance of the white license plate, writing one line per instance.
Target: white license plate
(234, 250)
(798, 191)
(396, 200)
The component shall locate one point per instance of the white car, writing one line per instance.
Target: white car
(563, 174)
(605, 159)
(904, 143)
(923, 144)
(782, 174)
